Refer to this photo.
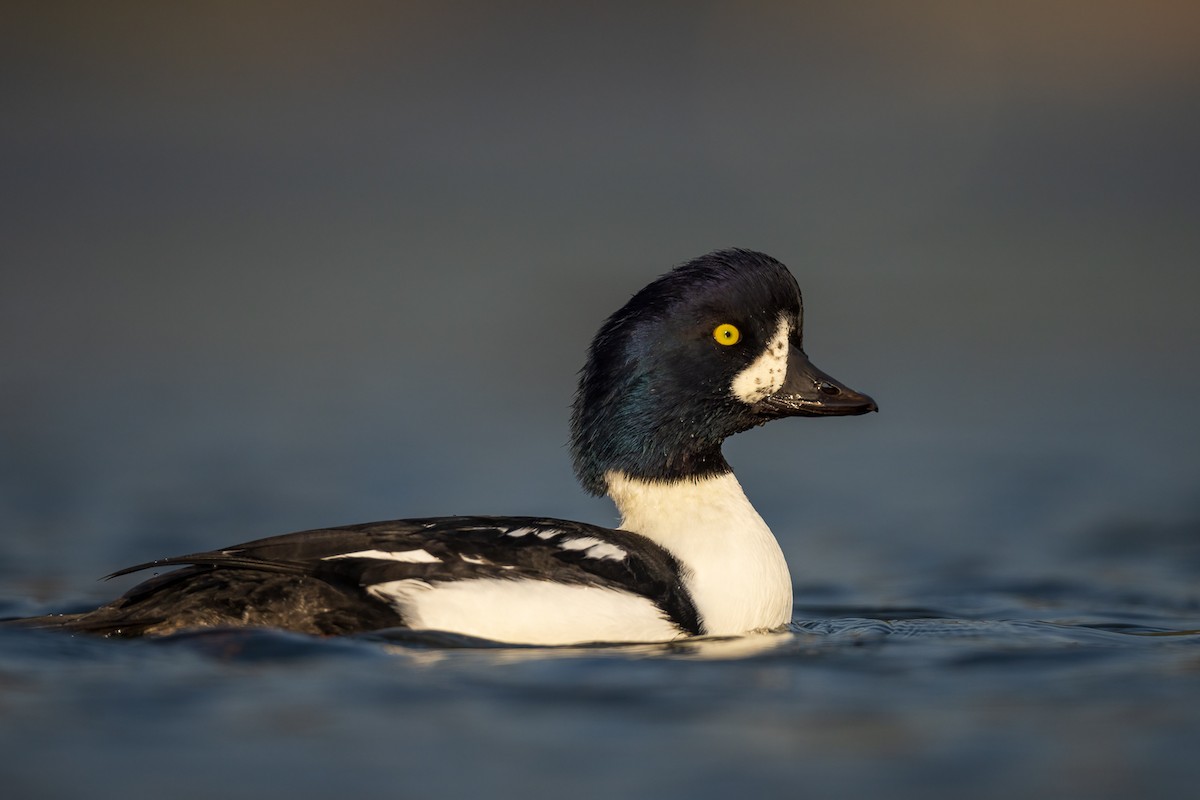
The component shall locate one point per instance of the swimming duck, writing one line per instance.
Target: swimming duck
(709, 349)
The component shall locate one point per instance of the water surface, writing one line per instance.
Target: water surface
(265, 271)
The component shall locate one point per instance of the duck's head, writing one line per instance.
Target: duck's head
(711, 348)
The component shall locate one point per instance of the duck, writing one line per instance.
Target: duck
(707, 350)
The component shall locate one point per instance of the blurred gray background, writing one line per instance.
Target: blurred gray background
(269, 266)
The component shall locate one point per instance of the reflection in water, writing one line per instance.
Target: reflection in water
(829, 704)
(703, 649)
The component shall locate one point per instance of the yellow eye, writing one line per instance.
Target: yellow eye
(727, 334)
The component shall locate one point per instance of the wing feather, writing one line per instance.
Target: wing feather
(354, 558)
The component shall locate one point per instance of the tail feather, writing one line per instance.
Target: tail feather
(204, 596)
(96, 622)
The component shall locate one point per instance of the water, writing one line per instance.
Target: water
(839, 707)
(262, 272)
(986, 611)
(1015, 662)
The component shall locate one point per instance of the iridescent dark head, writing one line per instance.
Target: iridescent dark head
(711, 348)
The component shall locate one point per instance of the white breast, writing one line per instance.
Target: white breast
(734, 568)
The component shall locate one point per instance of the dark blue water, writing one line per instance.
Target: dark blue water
(263, 271)
(838, 707)
(940, 647)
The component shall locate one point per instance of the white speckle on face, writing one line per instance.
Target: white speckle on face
(594, 548)
(764, 377)
(411, 556)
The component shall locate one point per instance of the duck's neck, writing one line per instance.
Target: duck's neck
(732, 563)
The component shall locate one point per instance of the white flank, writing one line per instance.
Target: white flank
(764, 377)
(594, 548)
(733, 566)
(411, 556)
(528, 611)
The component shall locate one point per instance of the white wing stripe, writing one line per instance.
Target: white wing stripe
(410, 556)
(517, 533)
(594, 548)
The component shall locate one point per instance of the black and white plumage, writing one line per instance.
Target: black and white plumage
(707, 350)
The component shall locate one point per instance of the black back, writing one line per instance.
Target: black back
(304, 581)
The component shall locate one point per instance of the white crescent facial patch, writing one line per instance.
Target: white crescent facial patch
(764, 377)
